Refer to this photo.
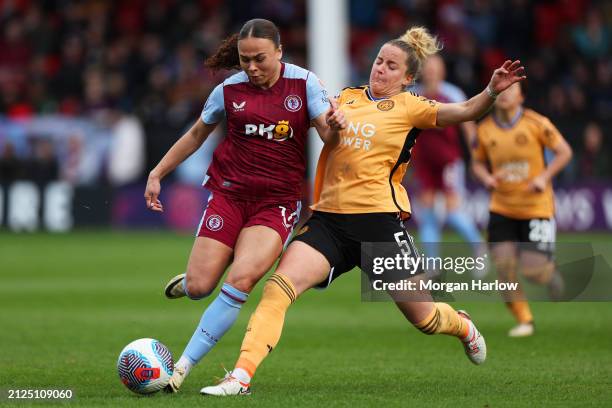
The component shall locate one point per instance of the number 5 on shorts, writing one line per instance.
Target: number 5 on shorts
(403, 244)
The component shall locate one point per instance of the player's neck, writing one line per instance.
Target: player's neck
(508, 116)
(274, 78)
(383, 93)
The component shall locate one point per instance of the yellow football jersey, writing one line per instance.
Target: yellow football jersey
(363, 172)
(516, 154)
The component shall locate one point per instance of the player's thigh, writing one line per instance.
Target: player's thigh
(454, 183)
(452, 199)
(536, 256)
(533, 259)
(207, 262)
(386, 244)
(427, 197)
(304, 266)
(539, 235)
(503, 250)
(256, 250)
(328, 251)
(503, 234)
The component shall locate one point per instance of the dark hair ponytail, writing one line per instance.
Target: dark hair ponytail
(226, 56)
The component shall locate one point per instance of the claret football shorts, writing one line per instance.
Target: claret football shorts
(224, 218)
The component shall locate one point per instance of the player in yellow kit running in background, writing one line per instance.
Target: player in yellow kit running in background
(359, 198)
(509, 160)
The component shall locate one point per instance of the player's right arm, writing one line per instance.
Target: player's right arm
(482, 173)
(179, 152)
(479, 164)
(212, 114)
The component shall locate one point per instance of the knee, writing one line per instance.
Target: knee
(198, 288)
(540, 274)
(506, 267)
(242, 282)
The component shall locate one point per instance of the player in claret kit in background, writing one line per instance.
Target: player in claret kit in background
(359, 198)
(438, 165)
(254, 180)
(509, 160)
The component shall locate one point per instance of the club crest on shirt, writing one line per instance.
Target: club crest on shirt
(214, 222)
(520, 139)
(293, 103)
(385, 105)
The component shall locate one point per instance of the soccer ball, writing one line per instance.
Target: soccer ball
(145, 366)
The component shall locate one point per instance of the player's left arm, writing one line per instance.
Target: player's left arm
(552, 139)
(323, 110)
(475, 107)
(468, 129)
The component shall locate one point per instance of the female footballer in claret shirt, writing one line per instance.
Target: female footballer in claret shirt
(254, 180)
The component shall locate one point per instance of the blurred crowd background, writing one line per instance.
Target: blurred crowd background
(94, 92)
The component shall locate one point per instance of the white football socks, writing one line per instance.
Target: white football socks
(185, 364)
(241, 375)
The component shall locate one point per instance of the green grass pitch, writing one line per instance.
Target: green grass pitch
(70, 303)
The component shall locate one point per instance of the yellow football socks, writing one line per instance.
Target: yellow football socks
(521, 311)
(266, 323)
(443, 319)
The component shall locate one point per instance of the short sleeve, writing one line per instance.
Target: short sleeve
(317, 96)
(478, 149)
(549, 135)
(214, 108)
(422, 112)
(341, 97)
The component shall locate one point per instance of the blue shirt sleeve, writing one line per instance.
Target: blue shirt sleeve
(214, 108)
(317, 96)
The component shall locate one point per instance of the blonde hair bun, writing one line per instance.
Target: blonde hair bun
(421, 41)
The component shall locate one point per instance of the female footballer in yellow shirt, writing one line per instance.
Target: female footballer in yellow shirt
(359, 198)
(509, 160)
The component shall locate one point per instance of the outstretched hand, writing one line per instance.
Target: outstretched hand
(152, 193)
(509, 73)
(335, 117)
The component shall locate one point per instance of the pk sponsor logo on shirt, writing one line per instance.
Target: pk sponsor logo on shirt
(279, 132)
